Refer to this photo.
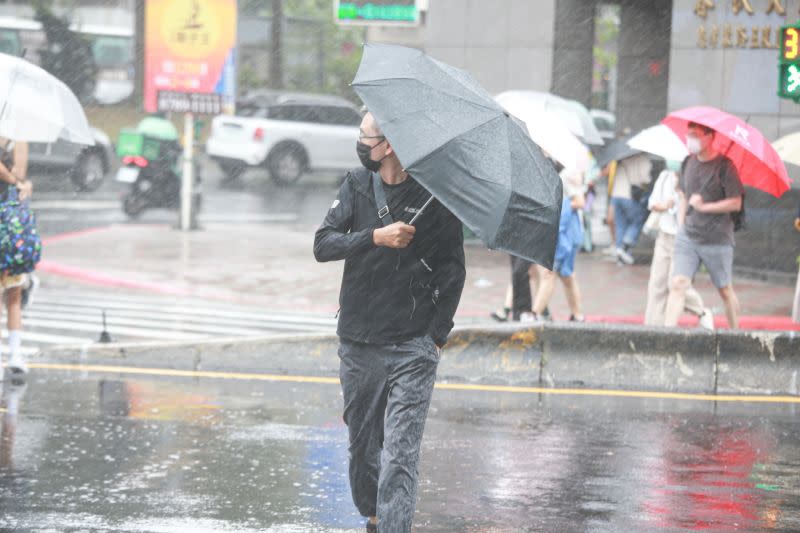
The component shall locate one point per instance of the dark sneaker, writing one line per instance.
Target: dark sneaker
(501, 316)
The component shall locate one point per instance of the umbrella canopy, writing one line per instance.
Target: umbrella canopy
(573, 114)
(788, 148)
(758, 163)
(464, 148)
(660, 141)
(616, 150)
(37, 107)
(548, 131)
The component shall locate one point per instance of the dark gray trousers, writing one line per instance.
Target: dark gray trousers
(387, 391)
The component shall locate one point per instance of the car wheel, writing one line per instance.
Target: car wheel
(89, 172)
(287, 164)
(232, 171)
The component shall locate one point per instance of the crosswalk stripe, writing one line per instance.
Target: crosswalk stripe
(173, 324)
(171, 308)
(70, 325)
(94, 313)
(47, 338)
(74, 317)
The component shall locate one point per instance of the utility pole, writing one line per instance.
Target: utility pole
(138, 47)
(276, 58)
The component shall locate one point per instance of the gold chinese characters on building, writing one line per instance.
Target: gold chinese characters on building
(732, 35)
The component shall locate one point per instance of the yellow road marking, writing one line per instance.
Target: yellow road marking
(444, 386)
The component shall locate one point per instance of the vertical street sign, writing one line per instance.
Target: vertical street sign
(190, 68)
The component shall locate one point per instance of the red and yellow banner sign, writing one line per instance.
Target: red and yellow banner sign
(190, 55)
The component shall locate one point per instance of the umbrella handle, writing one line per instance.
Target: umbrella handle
(421, 209)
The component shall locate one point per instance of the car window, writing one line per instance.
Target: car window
(9, 42)
(339, 116)
(252, 111)
(603, 124)
(294, 113)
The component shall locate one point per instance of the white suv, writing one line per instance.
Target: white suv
(286, 133)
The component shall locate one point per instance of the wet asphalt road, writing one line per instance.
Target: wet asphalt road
(103, 452)
(253, 198)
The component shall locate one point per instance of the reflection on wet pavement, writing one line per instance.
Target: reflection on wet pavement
(98, 453)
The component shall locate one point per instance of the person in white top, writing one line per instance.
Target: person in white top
(664, 202)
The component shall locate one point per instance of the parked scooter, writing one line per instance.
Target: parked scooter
(152, 165)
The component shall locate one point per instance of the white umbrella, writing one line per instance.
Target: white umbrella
(37, 107)
(549, 132)
(660, 141)
(788, 148)
(573, 114)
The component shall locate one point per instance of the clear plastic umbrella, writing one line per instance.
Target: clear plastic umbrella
(548, 131)
(660, 141)
(573, 114)
(788, 148)
(37, 107)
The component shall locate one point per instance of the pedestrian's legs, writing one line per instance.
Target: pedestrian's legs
(547, 283)
(634, 218)
(364, 387)
(410, 388)
(521, 286)
(620, 220)
(731, 306)
(573, 293)
(658, 285)
(796, 306)
(694, 302)
(610, 222)
(676, 300)
(685, 263)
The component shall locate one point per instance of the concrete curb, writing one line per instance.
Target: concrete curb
(553, 355)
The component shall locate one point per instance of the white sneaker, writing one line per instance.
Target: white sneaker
(624, 256)
(530, 318)
(16, 363)
(707, 319)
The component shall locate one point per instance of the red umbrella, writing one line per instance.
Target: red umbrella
(756, 160)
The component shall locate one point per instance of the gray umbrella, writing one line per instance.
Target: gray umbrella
(465, 149)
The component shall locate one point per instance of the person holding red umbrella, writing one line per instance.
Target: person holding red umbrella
(710, 191)
(726, 153)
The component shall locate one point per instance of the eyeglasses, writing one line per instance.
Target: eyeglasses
(361, 137)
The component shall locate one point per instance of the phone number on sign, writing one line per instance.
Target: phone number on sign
(189, 102)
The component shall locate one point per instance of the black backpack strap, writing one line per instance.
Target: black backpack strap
(380, 200)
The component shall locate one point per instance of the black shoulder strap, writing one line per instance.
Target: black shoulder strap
(380, 200)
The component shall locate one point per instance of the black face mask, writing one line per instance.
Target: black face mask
(363, 150)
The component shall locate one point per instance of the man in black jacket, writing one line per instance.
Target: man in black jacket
(400, 290)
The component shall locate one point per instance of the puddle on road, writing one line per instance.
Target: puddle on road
(86, 455)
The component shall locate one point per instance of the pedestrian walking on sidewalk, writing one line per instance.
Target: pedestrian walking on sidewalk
(401, 286)
(796, 306)
(710, 190)
(664, 203)
(631, 181)
(570, 240)
(20, 246)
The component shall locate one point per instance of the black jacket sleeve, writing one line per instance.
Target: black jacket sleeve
(334, 241)
(449, 276)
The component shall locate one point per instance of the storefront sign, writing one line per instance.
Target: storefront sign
(190, 56)
(735, 35)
